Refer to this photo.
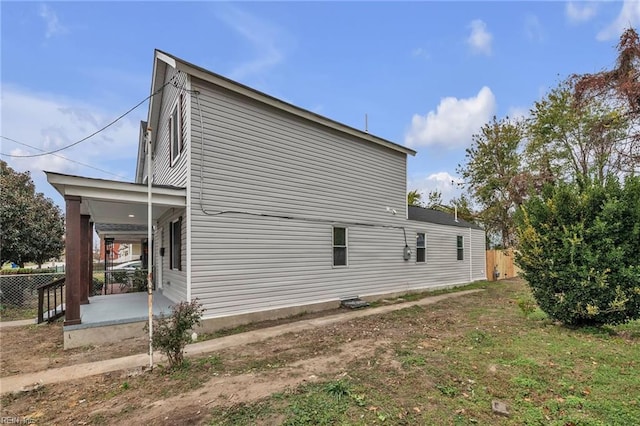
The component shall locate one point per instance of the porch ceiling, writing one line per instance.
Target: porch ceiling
(122, 233)
(112, 203)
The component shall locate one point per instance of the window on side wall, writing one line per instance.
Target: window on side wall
(339, 246)
(421, 247)
(175, 245)
(181, 119)
(460, 247)
(176, 144)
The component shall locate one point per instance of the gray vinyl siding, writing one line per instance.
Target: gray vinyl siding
(264, 263)
(265, 161)
(174, 282)
(479, 255)
(256, 264)
(442, 267)
(157, 259)
(164, 172)
(262, 161)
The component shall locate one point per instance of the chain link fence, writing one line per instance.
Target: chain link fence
(20, 290)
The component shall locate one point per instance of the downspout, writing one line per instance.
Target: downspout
(189, 215)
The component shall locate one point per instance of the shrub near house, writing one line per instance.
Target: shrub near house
(578, 251)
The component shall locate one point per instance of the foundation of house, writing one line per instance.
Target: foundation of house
(113, 318)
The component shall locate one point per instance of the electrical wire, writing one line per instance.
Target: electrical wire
(64, 158)
(94, 133)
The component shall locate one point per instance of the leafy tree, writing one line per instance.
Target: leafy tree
(32, 226)
(619, 89)
(584, 130)
(578, 251)
(414, 198)
(434, 199)
(493, 164)
(575, 141)
(465, 210)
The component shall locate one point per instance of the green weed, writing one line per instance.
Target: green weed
(338, 389)
(527, 305)
(447, 390)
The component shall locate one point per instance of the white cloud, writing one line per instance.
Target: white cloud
(53, 25)
(47, 123)
(419, 52)
(533, 28)
(580, 12)
(629, 16)
(454, 121)
(444, 182)
(480, 39)
(265, 38)
(518, 113)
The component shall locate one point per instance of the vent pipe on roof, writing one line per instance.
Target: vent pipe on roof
(366, 123)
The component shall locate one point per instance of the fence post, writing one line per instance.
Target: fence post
(491, 256)
(40, 307)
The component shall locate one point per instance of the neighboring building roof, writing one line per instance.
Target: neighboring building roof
(249, 92)
(422, 214)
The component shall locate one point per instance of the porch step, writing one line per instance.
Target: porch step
(355, 303)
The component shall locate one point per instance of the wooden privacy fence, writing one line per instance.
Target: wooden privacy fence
(500, 264)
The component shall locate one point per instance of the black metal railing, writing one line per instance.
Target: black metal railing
(48, 293)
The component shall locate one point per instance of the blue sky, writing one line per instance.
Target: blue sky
(427, 74)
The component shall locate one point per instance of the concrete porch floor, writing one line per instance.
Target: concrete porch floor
(113, 318)
(120, 308)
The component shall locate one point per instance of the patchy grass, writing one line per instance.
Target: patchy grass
(13, 313)
(435, 364)
(545, 373)
(419, 295)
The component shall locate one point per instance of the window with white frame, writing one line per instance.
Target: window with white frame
(460, 247)
(421, 247)
(181, 119)
(176, 128)
(175, 244)
(339, 246)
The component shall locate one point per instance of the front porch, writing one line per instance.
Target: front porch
(120, 212)
(112, 318)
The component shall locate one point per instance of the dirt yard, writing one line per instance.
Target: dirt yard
(239, 375)
(40, 347)
(382, 348)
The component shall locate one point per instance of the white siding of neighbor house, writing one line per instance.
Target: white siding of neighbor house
(263, 161)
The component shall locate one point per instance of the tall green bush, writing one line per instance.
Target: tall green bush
(579, 251)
